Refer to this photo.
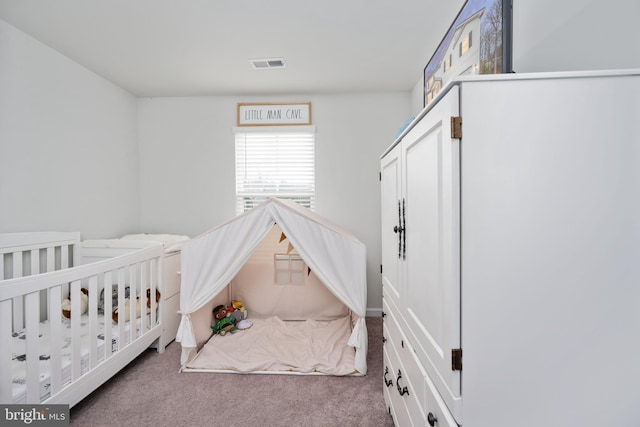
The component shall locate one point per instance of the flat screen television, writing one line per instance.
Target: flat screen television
(477, 42)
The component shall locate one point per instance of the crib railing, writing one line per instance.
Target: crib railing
(140, 270)
(27, 254)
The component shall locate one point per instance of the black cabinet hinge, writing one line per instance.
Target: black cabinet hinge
(456, 359)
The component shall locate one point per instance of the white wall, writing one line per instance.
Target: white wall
(569, 35)
(551, 35)
(68, 150)
(188, 175)
(417, 97)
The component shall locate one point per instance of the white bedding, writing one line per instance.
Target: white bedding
(275, 345)
(19, 351)
(171, 242)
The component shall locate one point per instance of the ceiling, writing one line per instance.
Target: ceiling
(155, 48)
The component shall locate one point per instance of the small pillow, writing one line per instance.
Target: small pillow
(165, 239)
(244, 324)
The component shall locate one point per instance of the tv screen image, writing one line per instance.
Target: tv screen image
(477, 42)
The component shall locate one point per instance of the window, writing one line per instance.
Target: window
(274, 164)
(289, 269)
(430, 82)
(465, 45)
(447, 63)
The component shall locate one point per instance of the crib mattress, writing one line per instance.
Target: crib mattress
(19, 351)
(274, 345)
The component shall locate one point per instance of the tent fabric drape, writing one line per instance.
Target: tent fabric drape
(211, 260)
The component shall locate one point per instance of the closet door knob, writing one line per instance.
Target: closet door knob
(432, 419)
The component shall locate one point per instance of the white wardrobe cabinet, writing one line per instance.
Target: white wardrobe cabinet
(511, 254)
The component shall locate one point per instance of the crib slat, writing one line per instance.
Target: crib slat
(17, 264)
(51, 259)
(5, 352)
(133, 302)
(143, 295)
(55, 334)
(76, 368)
(121, 310)
(108, 309)
(93, 321)
(64, 257)
(35, 261)
(155, 284)
(18, 302)
(32, 320)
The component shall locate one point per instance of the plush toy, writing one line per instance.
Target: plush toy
(127, 307)
(84, 304)
(237, 311)
(127, 310)
(149, 298)
(114, 297)
(224, 322)
(237, 305)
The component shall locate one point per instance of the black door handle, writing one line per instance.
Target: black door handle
(404, 233)
(388, 383)
(398, 230)
(431, 419)
(401, 390)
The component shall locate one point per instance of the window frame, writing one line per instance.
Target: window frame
(292, 259)
(244, 199)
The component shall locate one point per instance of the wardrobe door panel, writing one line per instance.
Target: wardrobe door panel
(390, 217)
(431, 186)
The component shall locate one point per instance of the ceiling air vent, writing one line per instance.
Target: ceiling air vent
(267, 63)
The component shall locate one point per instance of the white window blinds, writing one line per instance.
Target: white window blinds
(274, 164)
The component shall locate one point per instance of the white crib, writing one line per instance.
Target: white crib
(45, 358)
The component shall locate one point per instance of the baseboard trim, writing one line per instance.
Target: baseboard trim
(374, 312)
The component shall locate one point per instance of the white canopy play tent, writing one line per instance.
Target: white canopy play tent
(211, 260)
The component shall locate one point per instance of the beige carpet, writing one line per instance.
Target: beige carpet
(151, 392)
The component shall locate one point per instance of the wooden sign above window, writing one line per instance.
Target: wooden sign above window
(274, 113)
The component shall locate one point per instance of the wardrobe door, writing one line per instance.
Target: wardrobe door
(431, 300)
(391, 223)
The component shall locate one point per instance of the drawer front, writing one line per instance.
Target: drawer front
(171, 275)
(397, 407)
(406, 354)
(437, 412)
(408, 380)
(171, 318)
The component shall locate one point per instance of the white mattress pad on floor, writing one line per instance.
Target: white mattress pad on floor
(276, 345)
